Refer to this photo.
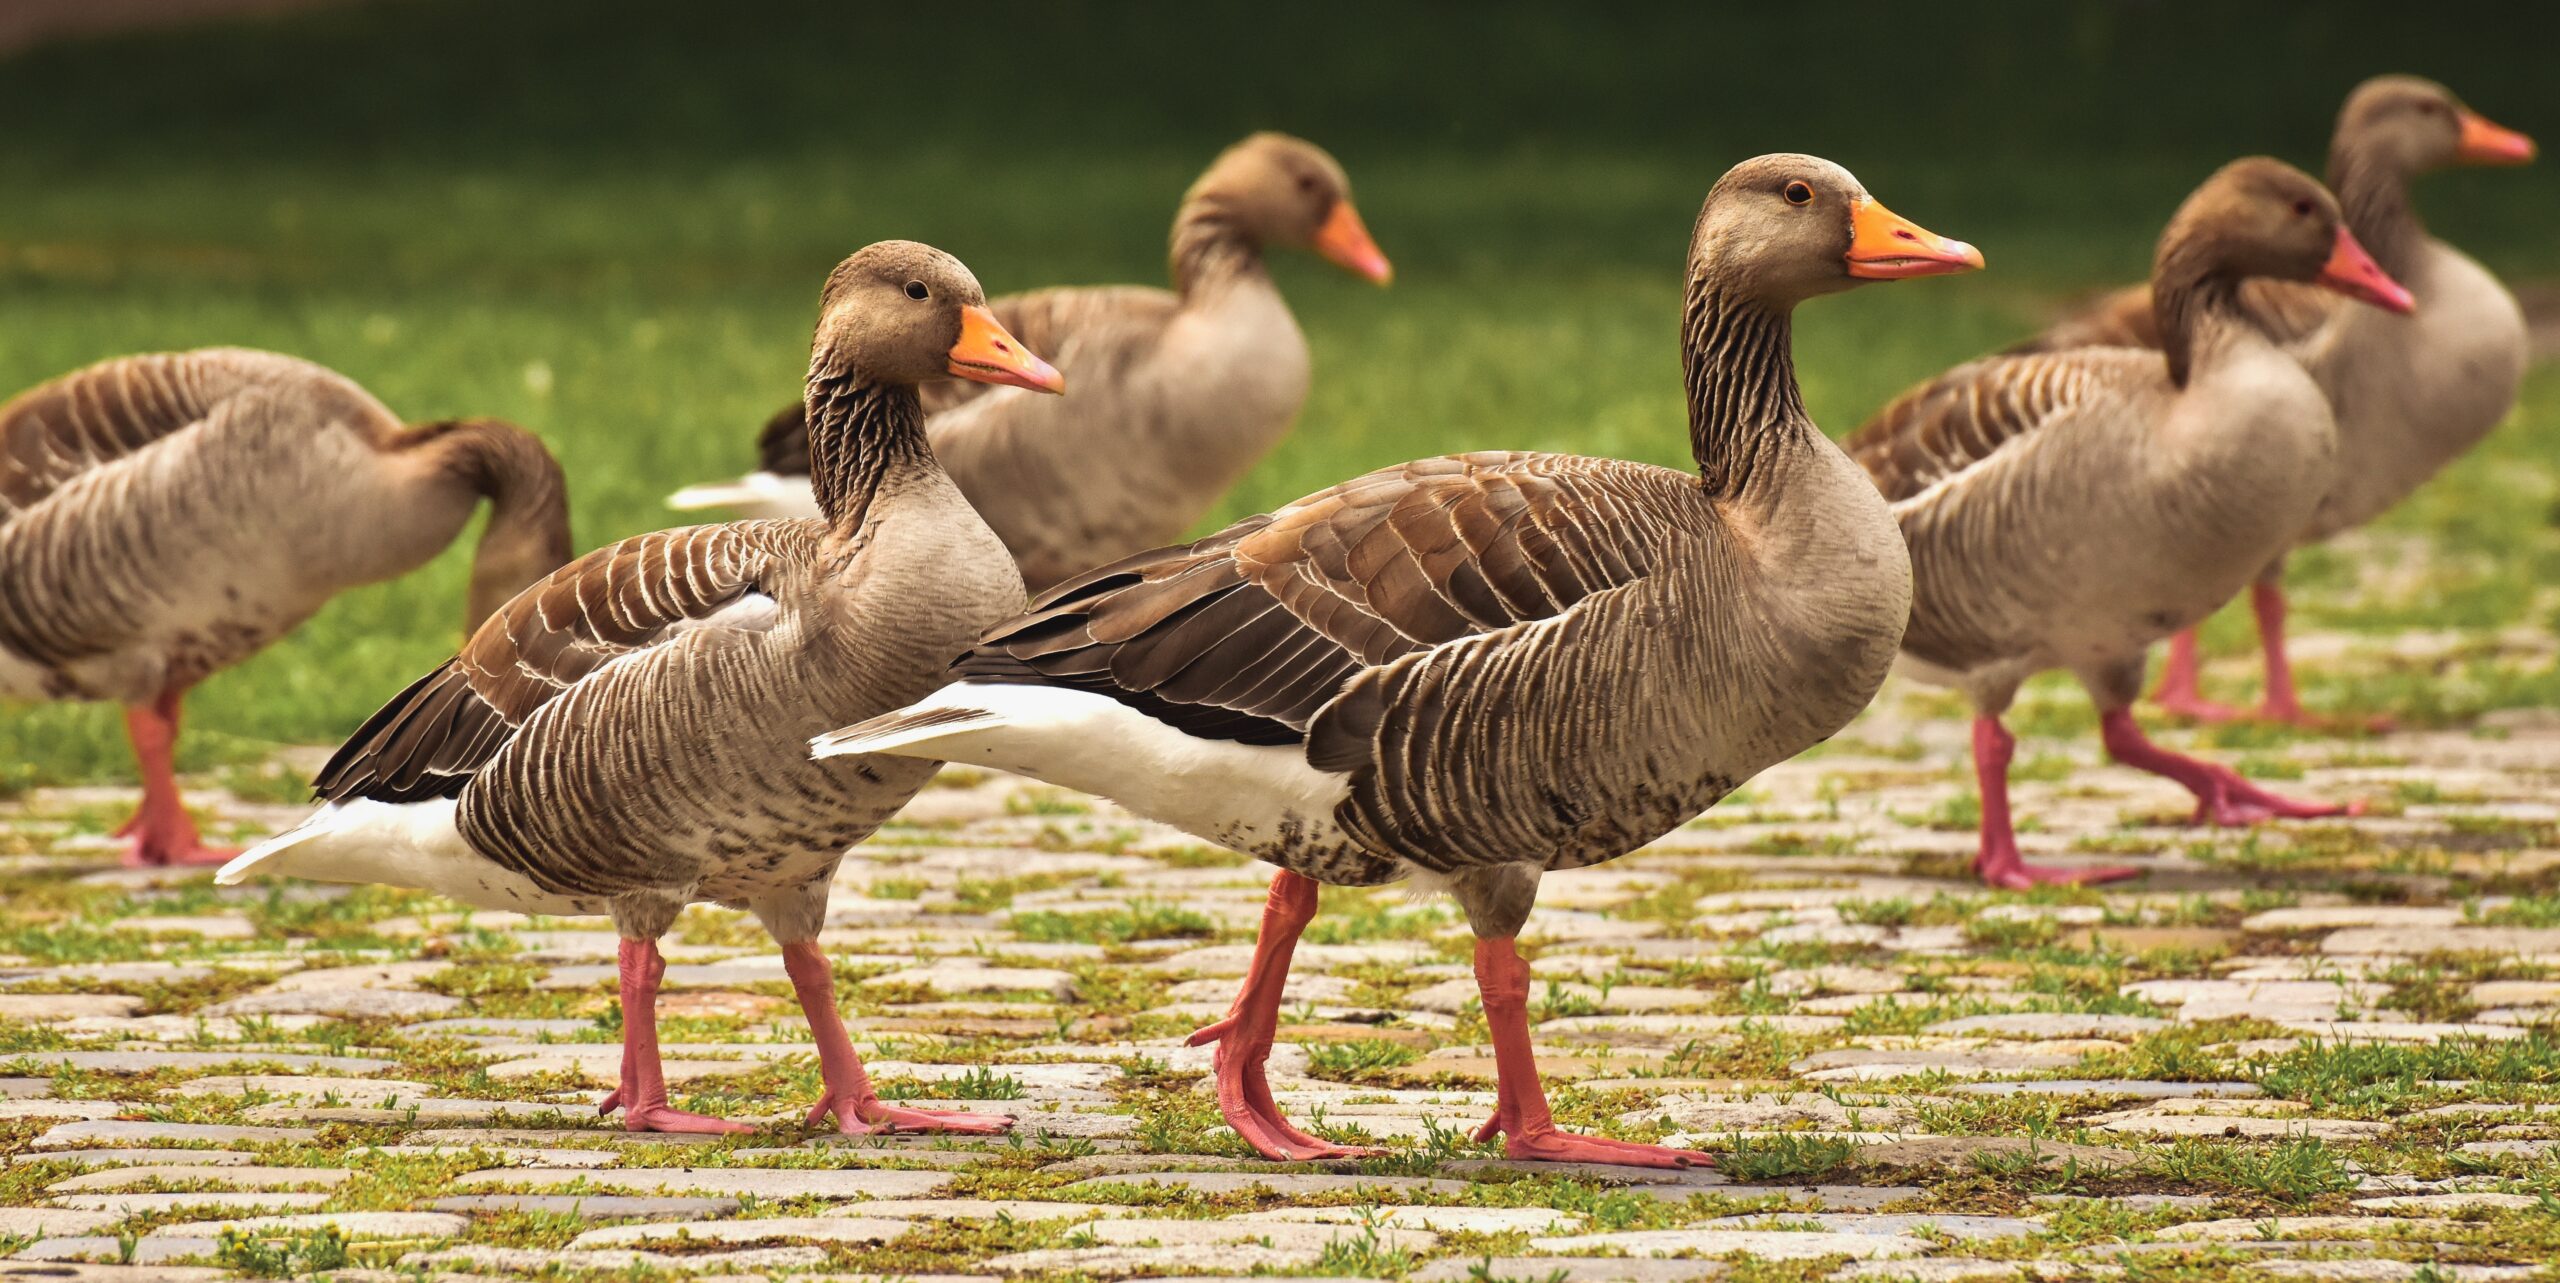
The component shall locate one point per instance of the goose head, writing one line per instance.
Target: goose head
(902, 313)
(1787, 227)
(2414, 126)
(2258, 216)
(1288, 191)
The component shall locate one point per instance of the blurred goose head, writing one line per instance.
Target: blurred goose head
(1280, 190)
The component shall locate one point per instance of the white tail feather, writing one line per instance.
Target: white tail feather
(909, 732)
(758, 494)
(1241, 795)
(401, 844)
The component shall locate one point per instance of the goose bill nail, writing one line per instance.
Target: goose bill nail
(988, 353)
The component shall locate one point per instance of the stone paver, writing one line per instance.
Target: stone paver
(2267, 1049)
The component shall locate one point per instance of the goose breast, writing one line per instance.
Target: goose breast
(2065, 509)
(2413, 393)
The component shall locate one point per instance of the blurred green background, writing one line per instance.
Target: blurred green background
(608, 219)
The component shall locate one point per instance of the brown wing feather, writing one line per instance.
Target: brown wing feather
(1957, 420)
(1250, 632)
(430, 739)
(59, 429)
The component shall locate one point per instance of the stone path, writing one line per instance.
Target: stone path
(2314, 1051)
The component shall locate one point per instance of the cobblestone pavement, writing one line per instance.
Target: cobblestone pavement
(2314, 1050)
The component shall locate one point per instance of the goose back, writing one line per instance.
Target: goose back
(2068, 509)
(164, 516)
(1623, 631)
(601, 732)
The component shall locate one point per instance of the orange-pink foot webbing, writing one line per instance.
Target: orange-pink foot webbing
(1244, 1037)
(848, 1095)
(1521, 1116)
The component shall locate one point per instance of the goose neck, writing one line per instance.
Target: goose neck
(2373, 193)
(861, 437)
(1738, 362)
(1213, 247)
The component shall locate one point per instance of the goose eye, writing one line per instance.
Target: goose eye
(1306, 182)
(1799, 193)
(916, 290)
(2302, 208)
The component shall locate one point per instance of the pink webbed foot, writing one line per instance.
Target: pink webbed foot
(1244, 1099)
(143, 855)
(2273, 712)
(1549, 1144)
(2229, 800)
(849, 1096)
(660, 1117)
(2018, 875)
(1997, 861)
(875, 1118)
(2222, 796)
(2191, 707)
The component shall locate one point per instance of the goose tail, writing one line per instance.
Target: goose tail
(908, 732)
(757, 494)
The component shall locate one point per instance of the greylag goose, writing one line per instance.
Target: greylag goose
(1178, 394)
(2410, 393)
(164, 517)
(1469, 670)
(624, 737)
(2068, 509)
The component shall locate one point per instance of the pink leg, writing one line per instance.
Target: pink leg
(1244, 1037)
(2283, 703)
(162, 831)
(858, 1110)
(1520, 1112)
(643, 1094)
(1998, 863)
(2222, 796)
(2181, 689)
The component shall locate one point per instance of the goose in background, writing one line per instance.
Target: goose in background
(625, 737)
(2068, 509)
(163, 517)
(1472, 669)
(1178, 394)
(2411, 393)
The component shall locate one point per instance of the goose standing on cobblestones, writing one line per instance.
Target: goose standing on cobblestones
(625, 737)
(1178, 394)
(164, 517)
(2411, 393)
(2068, 509)
(1469, 670)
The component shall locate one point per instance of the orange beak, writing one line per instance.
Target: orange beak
(1344, 241)
(987, 353)
(1885, 246)
(2352, 272)
(2487, 144)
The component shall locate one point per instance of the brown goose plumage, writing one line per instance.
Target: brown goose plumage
(624, 736)
(1178, 394)
(163, 517)
(2068, 509)
(1473, 669)
(2410, 393)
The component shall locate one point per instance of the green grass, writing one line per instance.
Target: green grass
(609, 222)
